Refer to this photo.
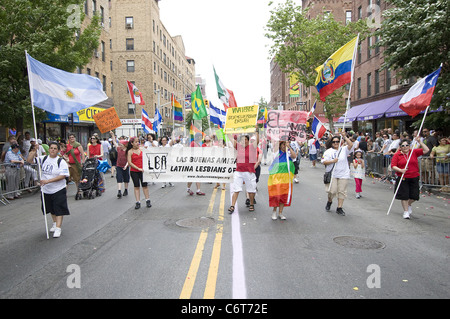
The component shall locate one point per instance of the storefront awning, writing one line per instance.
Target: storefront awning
(353, 113)
(377, 109)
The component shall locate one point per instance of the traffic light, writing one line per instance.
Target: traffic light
(206, 103)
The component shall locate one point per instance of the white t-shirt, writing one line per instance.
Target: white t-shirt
(51, 170)
(394, 144)
(341, 168)
(296, 148)
(312, 146)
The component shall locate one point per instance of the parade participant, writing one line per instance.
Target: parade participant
(76, 158)
(122, 169)
(135, 161)
(281, 175)
(296, 147)
(257, 171)
(357, 171)
(312, 150)
(197, 142)
(245, 170)
(335, 159)
(165, 143)
(407, 178)
(53, 185)
(95, 149)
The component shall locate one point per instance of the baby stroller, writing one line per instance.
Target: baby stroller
(88, 186)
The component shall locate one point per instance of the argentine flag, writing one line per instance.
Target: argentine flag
(62, 92)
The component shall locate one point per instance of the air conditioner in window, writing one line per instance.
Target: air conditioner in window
(404, 82)
(129, 26)
(97, 54)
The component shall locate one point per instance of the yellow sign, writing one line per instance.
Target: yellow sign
(87, 115)
(241, 119)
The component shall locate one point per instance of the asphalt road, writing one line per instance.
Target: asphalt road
(190, 247)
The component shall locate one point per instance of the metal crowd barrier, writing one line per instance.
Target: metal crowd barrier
(14, 180)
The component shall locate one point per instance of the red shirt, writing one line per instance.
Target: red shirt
(399, 159)
(136, 160)
(76, 152)
(95, 150)
(246, 158)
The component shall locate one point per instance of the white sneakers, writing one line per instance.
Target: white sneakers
(56, 231)
(407, 214)
(274, 216)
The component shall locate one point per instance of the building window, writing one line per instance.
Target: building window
(102, 16)
(358, 93)
(359, 54)
(360, 13)
(129, 24)
(103, 51)
(94, 7)
(377, 81)
(388, 80)
(130, 66)
(131, 108)
(88, 71)
(348, 17)
(369, 84)
(369, 49)
(129, 44)
(104, 83)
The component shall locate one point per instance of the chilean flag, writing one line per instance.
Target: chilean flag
(318, 129)
(135, 94)
(147, 125)
(418, 98)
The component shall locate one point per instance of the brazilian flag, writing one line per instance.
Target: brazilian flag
(198, 105)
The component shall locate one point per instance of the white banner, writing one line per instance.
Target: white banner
(189, 164)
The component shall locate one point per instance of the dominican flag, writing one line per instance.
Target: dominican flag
(147, 125)
(216, 115)
(61, 92)
(135, 94)
(318, 130)
(418, 98)
(313, 109)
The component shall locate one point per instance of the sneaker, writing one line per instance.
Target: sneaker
(57, 232)
(247, 202)
(52, 230)
(164, 185)
(125, 192)
(282, 217)
(119, 194)
(200, 193)
(358, 195)
(138, 205)
(190, 192)
(148, 203)
(296, 180)
(171, 185)
(406, 215)
(328, 207)
(340, 211)
(274, 216)
(409, 210)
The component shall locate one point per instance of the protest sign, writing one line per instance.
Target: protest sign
(241, 119)
(286, 125)
(189, 164)
(107, 120)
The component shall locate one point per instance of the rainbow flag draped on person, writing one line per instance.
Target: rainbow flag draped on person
(337, 70)
(280, 181)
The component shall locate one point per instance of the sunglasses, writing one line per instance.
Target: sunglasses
(406, 145)
(335, 142)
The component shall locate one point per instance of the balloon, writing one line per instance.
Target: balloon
(103, 166)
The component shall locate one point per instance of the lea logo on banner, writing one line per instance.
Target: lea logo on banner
(107, 120)
(287, 125)
(241, 119)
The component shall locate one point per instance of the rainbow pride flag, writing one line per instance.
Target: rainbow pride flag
(280, 181)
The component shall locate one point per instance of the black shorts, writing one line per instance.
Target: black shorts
(409, 189)
(56, 204)
(138, 179)
(122, 175)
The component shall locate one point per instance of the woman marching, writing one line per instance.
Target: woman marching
(135, 161)
(122, 170)
(335, 159)
(281, 175)
(408, 190)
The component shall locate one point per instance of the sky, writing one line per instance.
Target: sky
(228, 35)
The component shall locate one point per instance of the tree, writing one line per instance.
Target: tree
(50, 30)
(416, 38)
(301, 44)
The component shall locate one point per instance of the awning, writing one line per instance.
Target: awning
(377, 109)
(353, 113)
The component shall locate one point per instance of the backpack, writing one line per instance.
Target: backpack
(45, 157)
(113, 153)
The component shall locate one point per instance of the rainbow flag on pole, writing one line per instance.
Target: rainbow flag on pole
(280, 180)
(177, 109)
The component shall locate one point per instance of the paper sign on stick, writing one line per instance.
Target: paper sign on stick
(107, 120)
(286, 125)
(241, 119)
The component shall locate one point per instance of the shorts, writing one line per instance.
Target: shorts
(442, 168)
(296, 164)
(243, 177)
(122, 175)
(312, 157)
(338, 188)
(56, 204)
(409, 188)
(74, 173)
(386, 160)
(426, 164)
(138, 179)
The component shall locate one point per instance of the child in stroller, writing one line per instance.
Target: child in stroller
(88, 186)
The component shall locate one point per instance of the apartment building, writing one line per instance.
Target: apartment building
(144, 53)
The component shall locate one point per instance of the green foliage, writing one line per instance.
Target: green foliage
(416, 37)
(46, 29)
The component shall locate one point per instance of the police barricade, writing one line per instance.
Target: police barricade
(16, 179)
(434, 172)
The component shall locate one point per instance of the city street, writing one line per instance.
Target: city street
(190, 247)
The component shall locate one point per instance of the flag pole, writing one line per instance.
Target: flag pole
(35, 134)
(409, 157)
(348, 103)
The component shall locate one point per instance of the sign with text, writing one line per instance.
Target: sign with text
(107, 120)
(189, 164)
(241, 119)
(287, 125)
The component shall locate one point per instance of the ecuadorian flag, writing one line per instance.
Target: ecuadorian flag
(337, 70)
(280, 181)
